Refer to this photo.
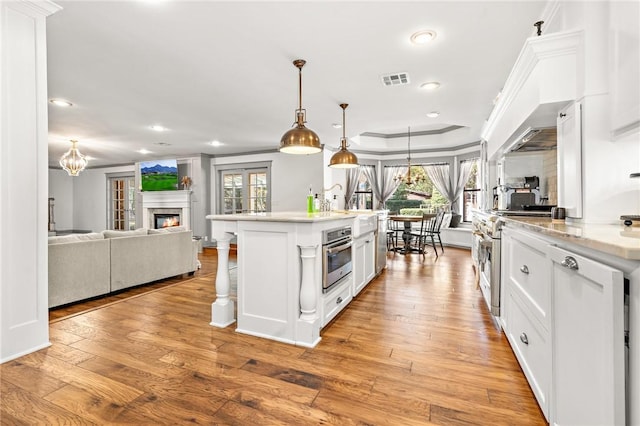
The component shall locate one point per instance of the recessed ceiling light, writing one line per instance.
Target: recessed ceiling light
(216, 143)
(336, 126)
(158, 128)
(422, 37)
(144, 151)
(61, 102)
(431, 85)
(433, 114)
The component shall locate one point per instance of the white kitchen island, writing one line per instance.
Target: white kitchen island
(279, 274)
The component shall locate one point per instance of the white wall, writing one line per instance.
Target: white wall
(291, 176)
(24, 205)
(61, 188)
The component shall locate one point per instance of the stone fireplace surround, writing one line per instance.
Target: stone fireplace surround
(166, 202)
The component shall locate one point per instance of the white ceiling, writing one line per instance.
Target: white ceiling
(223, 71)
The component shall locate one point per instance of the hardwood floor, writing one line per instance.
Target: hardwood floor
(416, 347)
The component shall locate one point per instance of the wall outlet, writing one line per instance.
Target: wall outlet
(206, 238)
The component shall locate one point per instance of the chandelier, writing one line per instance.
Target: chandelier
(300, 140)
(407, 179)
(343, 159)
(72, 161)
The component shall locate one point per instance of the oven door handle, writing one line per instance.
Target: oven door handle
(332, 250)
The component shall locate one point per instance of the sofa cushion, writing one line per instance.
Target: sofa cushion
(119, 234)
(61, 239)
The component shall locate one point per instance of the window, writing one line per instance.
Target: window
(121, 207)
(245, 189)
(421, 194)
(362, 197)
(471, 192)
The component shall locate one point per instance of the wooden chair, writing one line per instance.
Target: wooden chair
(429, 228)
(393, 229)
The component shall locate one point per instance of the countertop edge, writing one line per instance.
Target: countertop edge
(605, 246)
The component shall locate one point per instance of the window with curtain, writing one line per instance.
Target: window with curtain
(362, 197)
(471, 190)
(422, 194)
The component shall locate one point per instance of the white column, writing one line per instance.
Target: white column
(24, 319)
(222, 310)
(308, 324)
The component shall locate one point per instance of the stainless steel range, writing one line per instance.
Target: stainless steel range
(486, 257)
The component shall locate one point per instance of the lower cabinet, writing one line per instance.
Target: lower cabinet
(564, 319)
(364, 258)
(336, 300)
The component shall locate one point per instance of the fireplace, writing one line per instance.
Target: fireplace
(174, 204)
(163, 220)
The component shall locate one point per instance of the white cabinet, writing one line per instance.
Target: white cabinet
(564, 318)
(335, 301)
(364, 258)
(526, 309)
(588, 341)
(570, 160)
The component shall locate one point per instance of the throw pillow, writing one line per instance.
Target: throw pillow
(446, 220)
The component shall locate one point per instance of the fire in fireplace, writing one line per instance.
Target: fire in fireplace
(166, 220)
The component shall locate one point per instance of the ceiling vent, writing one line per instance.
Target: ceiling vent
(396, 79)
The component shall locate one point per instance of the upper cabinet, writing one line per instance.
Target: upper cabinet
(624, 70)
(544, 79)
(570, 157)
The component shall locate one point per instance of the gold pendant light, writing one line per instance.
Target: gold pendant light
(72, 161)
(300, 140)
(343, 159)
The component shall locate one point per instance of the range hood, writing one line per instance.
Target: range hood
(535, 139)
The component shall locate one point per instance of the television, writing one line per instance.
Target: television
(159, 175)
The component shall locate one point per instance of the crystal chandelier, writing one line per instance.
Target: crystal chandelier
(72, 161)
(407, 179)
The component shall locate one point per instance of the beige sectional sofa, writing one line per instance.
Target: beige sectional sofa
(82, 266)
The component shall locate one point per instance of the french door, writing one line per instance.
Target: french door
(245, 190)
(121, 214)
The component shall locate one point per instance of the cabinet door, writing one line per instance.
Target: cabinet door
(358, 265)
(369, 257)
(588, 341)
(570, 160)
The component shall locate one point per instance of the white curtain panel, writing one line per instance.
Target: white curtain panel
(353, 175)
(389, 183)
(441, 178)
(370, 173)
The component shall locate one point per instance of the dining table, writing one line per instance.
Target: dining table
(407, 220)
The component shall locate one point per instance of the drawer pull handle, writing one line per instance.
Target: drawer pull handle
(524, 339)
(524, 269)
(570, 262)
(338, 300)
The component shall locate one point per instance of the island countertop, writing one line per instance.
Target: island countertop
(284, 216)
(618, 240)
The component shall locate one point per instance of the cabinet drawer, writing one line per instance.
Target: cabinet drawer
(532, 348)
(336, 300)
(529, 273)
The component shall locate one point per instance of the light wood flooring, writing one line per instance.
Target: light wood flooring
(416, 347)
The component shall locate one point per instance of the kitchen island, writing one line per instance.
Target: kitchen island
(280, 270)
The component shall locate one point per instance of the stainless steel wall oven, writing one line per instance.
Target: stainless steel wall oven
(336, 261)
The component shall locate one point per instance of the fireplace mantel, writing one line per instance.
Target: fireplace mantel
(179, 199)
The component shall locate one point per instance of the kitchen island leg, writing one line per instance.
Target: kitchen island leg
(222, 309)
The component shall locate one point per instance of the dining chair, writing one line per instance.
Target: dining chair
(393, 229)
(429, 228)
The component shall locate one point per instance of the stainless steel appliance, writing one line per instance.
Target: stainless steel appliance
(486, 257)
(381, 241)
(336, 262)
